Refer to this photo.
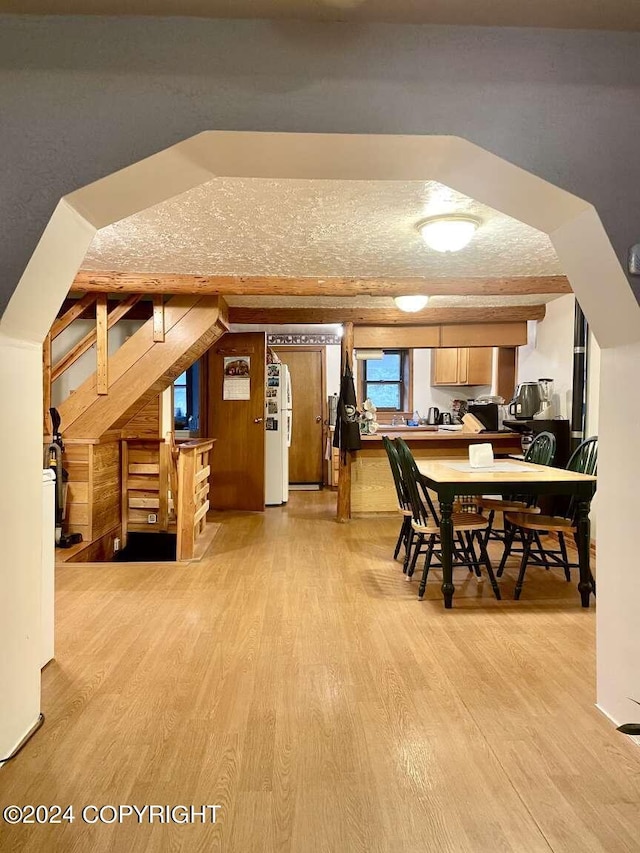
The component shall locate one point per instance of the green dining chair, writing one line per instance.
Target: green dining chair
(404, 505)
(541, 451)
(530, 527)
(468, 529)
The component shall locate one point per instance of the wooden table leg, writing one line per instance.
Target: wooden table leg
(583, 537)
(446, 545)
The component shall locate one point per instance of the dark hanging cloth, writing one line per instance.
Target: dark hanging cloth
(347, 432)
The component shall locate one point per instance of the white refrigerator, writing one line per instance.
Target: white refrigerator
(278, 423)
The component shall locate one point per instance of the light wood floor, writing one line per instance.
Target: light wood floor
(295, 679)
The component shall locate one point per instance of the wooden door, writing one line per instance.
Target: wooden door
(444, 369)
(306, 454)
(237, 462)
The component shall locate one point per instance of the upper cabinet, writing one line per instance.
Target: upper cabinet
(461, 366)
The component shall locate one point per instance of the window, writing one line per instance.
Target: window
(385, 381)
(186, 403)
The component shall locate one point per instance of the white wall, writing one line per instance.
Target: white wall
(82, 369)
(618, 637)
(549, 352)
(20, 519)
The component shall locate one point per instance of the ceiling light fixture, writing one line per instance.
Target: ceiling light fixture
(448, 233)
(411, 304)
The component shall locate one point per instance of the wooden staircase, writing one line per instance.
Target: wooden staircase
(144, 366)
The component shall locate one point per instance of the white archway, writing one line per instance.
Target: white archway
(572, 225)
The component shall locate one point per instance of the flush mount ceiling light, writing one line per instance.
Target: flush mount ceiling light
(448, 233)
(411, 303)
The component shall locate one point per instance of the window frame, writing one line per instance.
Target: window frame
(405, 382)
(191, 378)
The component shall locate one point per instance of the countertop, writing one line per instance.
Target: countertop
(417, 434)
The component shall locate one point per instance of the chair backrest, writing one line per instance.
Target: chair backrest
(542, 449)
(584, 459)
(421, 504)
(396, 471)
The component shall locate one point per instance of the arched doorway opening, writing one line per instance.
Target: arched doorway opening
(577, 236)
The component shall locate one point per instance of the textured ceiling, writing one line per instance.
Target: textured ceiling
(575, 14)
(238, 226)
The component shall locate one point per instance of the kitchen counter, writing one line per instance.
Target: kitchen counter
(372, 488)
(410, 434)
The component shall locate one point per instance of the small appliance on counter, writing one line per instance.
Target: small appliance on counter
(433, 415)
(546, 410)
(445, 419)
(486, 413)
(526, 402)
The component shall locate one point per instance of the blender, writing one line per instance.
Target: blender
(545, 412)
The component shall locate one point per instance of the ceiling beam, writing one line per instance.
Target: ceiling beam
(241, 285)
(384, 316)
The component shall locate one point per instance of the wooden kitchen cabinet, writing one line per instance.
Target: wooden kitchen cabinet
(461, 366)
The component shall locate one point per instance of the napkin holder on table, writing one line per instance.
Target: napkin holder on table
(481, 455)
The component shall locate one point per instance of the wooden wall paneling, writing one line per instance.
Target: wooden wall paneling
(100, 550)
(242, 285)
(105, 512)
(158, 319)
(76, 461)
(124, 490)
(146, 422)
(102, 346)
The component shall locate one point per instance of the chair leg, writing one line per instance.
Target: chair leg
(543, 555)
(416, 551)
(489, 530)
(473, 556)
(484, 556)
(401, 537)
(526, 548)
(465, 550)
(427, 566)
(565, 556)
(510, 535)
(408, 547)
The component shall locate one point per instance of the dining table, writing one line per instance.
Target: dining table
(449, 478)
